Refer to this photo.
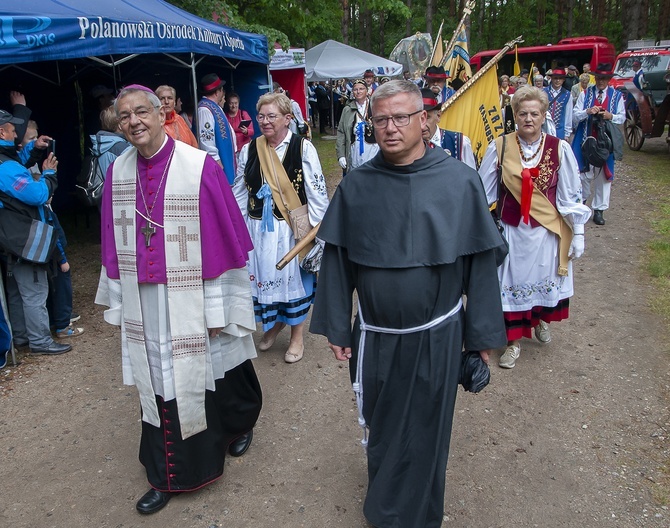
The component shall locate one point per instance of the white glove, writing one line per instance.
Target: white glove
(343, 162)
(576, 246)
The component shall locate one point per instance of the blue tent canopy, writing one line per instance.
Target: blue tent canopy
(64, 48)
(48, 30)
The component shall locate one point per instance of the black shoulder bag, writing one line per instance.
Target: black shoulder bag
(495, 213)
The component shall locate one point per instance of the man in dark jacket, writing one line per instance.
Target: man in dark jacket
(323, 102)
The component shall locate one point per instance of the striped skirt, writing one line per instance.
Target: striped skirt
(521, 324)
(292, 312)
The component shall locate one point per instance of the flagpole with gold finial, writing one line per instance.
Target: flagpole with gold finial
(469, 6)
(517, 66)
(490, 64)
(437, 42)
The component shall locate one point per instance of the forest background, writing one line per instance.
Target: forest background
(377, 25)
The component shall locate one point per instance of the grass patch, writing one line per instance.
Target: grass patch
(652, 167)
(331, 168)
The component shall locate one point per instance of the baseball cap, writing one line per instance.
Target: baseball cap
(6, 117)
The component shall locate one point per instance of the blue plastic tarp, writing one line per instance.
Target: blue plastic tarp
(48, 30)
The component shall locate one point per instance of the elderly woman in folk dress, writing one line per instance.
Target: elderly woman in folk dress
(280, 297)
(539, 204)
(175, 126)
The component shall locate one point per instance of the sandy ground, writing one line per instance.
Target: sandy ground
(575, 436)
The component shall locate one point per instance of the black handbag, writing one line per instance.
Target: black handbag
(475, 373)
(500, 255)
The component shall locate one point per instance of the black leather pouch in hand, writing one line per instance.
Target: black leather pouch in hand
(475, 374)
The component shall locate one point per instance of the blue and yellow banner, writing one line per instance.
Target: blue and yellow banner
(476, 112)
(457, 63)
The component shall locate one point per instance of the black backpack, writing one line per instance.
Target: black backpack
(91, 179)
(596, 150)
(22, 233)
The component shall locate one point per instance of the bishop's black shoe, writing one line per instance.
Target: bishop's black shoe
(152, 501)
(598, 218)
(240, 445)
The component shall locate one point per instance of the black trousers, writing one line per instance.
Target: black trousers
(175, 465)
(324, 119)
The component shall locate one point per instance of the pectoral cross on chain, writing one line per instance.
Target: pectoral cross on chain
(147, 231)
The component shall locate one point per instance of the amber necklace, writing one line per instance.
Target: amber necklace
(537, 151)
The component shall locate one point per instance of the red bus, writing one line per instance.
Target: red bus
(574, 50)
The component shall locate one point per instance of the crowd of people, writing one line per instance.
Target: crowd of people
(194, 221)
(38, 283)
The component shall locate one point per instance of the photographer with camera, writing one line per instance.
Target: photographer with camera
(22, 201)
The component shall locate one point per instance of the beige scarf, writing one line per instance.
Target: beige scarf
(283, 192)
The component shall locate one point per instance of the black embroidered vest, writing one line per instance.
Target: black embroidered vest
(252, 176)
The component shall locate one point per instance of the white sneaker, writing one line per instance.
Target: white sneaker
(542, 332)
(508, 359)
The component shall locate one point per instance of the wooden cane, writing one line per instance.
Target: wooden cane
(300, 245)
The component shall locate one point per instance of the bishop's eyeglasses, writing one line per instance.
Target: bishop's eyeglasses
(140, 112)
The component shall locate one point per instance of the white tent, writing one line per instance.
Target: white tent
(334, 60)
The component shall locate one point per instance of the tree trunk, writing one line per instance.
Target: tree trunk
(430, 9)
(367, 16)
(382, 24)
(541, 13)
(570, 8)
(601, 16)
(644, 18)
(560, 13)
(480, 7)
(356, 25)
(346, 20)
(664, 20)
(492, 24)
(630, 17)
(408, 24)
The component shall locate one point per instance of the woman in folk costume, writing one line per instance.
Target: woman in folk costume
(279, 172)
(538, 198)
(352, 148)
(175, 126)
